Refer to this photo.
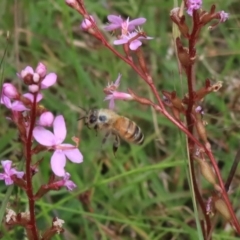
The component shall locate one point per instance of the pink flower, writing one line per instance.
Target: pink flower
(54, 141)
(134, 44)
(86, 23)
(40, 74)
(223, 16)
(112, 94)
(126, 25)
(46, 119)
(70, 185)
(9, 172)
(10, 91)
(113, 86)
(199, 109)
(193, 5)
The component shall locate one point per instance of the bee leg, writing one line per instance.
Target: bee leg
(116, 144)
(105, 137)
(96, 129)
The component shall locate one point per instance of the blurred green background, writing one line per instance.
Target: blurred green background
(143, 192)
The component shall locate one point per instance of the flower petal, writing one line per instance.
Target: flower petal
(115, 19)
(137, 21)
(30, 96)
(58, 162)
(117, 82)
(111, 27)
(17, 173)
(2, 176)
(6, 164)
(111, 103)
(120, 41)
(70, 185)
(74, 155)
(49, 80)
(59, 128)
(18, 106)
(8, 180)
(6, 101)
(135, 44)
(44, 136)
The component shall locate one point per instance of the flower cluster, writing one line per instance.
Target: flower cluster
(32, 121)
(128, 33)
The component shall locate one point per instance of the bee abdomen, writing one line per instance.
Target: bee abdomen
(134, 133)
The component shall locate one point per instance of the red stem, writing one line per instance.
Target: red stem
(29, 190)
(190, 126)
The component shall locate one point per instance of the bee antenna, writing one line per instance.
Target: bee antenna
(82, 118)
(84, 109)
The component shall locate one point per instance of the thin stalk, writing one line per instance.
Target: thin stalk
(29, 190)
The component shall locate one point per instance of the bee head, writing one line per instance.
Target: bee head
(90, 118)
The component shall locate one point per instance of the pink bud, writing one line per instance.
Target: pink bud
(41, 70)
(71, 2)
(36, 77)
(86, 23)
(33, 88)
(46, 119)
(10, 91)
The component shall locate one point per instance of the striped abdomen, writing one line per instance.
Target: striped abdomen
(128, 130)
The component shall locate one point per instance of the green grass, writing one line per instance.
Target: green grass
(143, 192)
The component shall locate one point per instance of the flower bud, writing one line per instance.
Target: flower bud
(201, 130)
(46, 119)
(10, 91)
(222, 208)
(86, 23)
(41, 70)
(71, 3)
(36, 77)
(207, 171)
(33, 88)
(183, 54)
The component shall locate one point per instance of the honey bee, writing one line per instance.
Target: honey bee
(112, 123)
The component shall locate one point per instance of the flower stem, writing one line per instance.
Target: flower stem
(29, 190)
